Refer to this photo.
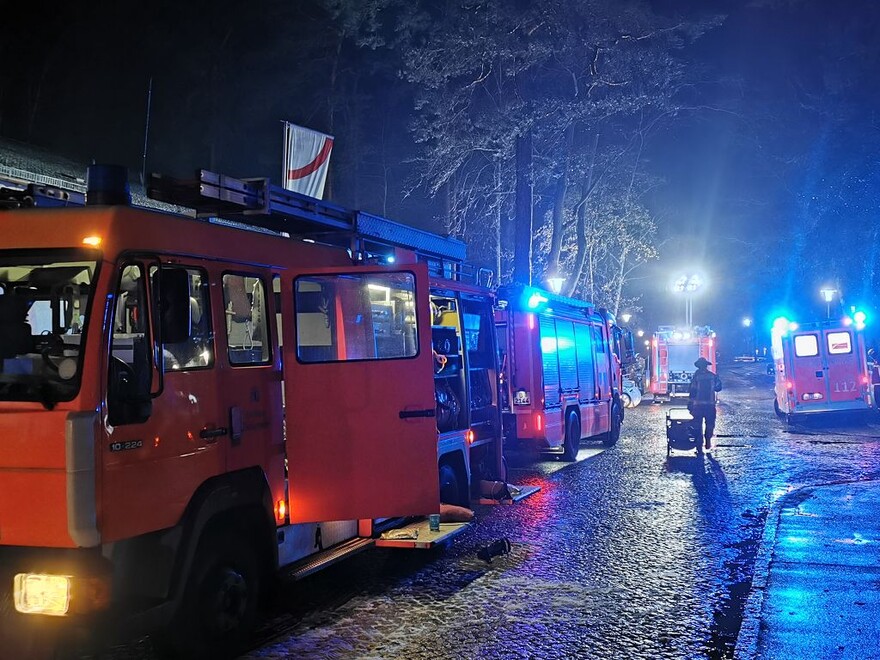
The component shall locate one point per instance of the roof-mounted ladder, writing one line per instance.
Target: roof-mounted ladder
(258, 203)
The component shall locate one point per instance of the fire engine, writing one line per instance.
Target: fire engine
(820, 367)
(671, 360)
(561, 370)
(189, 404)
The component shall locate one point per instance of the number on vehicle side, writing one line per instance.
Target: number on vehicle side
(127, 445)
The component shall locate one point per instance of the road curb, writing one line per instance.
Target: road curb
(747, 640)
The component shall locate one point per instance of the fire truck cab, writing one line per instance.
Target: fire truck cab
(189, 399)
(821, 368)
(671, 360)
(561, 369)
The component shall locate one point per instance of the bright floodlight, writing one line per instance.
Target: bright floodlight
(828, 294)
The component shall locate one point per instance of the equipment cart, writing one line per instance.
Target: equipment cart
(680, 433)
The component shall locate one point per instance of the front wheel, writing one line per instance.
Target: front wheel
(613, 434)
(219, 608)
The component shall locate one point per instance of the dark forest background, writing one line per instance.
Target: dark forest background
(739, 139)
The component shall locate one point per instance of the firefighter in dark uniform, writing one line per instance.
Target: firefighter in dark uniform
(701, 401)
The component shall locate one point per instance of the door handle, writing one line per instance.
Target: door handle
(426, 412)
(212, 434)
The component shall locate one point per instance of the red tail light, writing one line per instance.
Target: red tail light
(789, 384)
(469, 436)
(539, 421)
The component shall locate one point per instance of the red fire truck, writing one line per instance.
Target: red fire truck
(821, 367)
(560, 368)
(671, 360)
(188, 404)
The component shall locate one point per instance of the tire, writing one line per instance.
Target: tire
(450, 486)
(777, 409)
(625, 400)
(572, 443)
(220, 604)
(613, 434)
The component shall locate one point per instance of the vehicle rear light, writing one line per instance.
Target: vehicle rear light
(864, 380)
(531, 318)
(539, 421)
(789, 384)
(470, 436)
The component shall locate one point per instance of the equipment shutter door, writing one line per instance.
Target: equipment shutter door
(550, 361)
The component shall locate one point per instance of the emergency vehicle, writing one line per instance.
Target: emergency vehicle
(672, 356)
(820, 367)
(188, 404)
(561, 371)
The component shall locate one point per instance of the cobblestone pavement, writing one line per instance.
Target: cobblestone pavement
(624, 554)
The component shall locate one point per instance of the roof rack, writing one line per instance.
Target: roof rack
(34, 195)
(258, 203)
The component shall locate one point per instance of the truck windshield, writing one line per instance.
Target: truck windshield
(43, 301)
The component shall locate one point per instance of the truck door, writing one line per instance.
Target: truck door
(157, 449)
(809, 375)
(842, 365)
(249, 381)
(359, 393)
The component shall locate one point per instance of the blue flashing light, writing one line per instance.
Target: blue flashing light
(536, 300)
(860, 318)
(781, 325)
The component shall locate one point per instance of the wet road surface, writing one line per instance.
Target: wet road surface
(627, 553)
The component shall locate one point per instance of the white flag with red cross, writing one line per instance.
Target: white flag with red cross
(306, 160)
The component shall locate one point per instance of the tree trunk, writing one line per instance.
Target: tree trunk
(581, 257)
(559, 207)
(522, 249)
(498, 216)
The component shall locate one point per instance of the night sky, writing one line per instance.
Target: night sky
(767, 182)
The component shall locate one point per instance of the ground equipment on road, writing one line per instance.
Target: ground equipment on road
(189, 404)
(681, 434)
(671, 360)
(561, 371)
(820, 368)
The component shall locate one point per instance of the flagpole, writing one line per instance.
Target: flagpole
(146, 133)
(285, 155)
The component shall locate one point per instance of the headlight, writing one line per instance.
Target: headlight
(59, 595)
(35, 593)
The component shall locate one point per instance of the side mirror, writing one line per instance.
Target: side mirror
(174, 307)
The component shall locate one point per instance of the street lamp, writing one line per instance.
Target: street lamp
(625, 317)
(750, 337)
(828, 296)
(555, 283)
(640, 333)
